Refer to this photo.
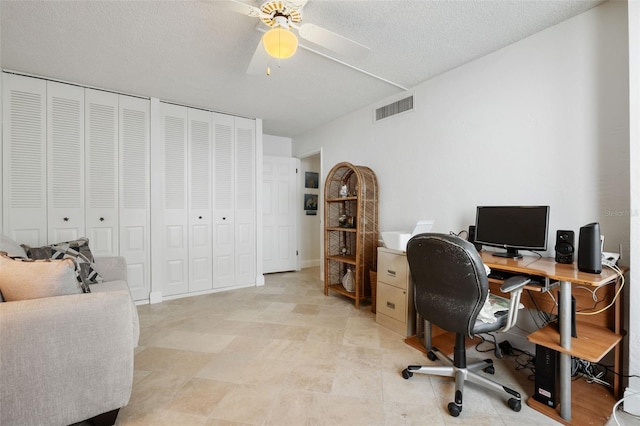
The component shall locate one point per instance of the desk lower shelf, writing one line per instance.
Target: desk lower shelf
(593, 341)
(591, 405)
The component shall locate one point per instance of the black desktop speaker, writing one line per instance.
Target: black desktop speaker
(472, 237)
(564, 246)
(589, 249)
(546, 385)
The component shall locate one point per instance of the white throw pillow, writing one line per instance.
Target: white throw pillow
(34, 279)
(12, 248)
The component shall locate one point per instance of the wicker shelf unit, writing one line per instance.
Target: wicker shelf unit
(351, 229)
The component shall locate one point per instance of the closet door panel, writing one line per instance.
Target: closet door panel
(224, 229)
(24, 159)
(101, 173)
(245, 195)
(134, 193)
(200, 214)
(65, 162)
(176, 233)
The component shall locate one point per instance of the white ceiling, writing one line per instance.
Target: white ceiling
(196, 52)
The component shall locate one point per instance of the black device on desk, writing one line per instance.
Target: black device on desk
(512, 228)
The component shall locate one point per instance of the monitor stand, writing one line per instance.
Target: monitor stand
(511, 253)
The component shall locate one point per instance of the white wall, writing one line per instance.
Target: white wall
(276, 146)
(542, 121)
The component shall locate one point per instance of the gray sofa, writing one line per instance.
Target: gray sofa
(66, 359)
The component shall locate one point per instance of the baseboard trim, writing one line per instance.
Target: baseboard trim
(313, 263)
(155, 297)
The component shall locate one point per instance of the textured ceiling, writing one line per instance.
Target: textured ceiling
(196, 52)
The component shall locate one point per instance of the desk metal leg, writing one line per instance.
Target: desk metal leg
(564, 311)
(423, 331)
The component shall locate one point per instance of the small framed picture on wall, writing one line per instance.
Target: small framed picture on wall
(310, 179)
(311, 204)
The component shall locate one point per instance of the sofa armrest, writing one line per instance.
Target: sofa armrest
(111, 268)
(65, 359)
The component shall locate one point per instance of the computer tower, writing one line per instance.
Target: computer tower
(546, 380)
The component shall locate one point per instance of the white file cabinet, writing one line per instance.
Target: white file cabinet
(395, 309)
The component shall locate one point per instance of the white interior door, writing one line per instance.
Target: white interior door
(245, 201)
(279, 214)
(65, 162)
(134, 193)
(101, 159)
(199, 171)
(223, 185)
(175, 238)
(24, 159)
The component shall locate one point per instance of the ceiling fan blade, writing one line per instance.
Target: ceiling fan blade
(241, 7)
(259, 61)
(332, 41)
(296, 4)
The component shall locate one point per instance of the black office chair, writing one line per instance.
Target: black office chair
(451, 286)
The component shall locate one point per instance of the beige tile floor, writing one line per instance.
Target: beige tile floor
(285, 354)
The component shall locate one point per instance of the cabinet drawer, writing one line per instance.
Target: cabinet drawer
(393, 270)
(392, 302)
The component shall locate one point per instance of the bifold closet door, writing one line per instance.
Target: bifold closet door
(245, 201)
(24, 159)
(175, 233)
(101, 172)
(134, 192)
(199, 214)
(65, 162)
(224, 212)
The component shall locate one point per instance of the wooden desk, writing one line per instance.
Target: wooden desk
(593, 341)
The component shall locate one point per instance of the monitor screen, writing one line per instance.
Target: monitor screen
(512, 228)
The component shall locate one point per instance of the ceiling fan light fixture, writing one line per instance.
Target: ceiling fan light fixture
(280, 42)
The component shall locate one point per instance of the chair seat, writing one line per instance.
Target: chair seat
(483, 327)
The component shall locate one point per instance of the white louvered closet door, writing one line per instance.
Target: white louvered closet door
(24, 159)
(224, 230)
(65, 162)
(134, 193)
(200, 213)
(101, 172)
(175, 232)
(245, 206)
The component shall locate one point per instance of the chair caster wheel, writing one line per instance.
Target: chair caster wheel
(454, 409)
(489, 370)
(407, 374)
(515, 404)
(431, 356)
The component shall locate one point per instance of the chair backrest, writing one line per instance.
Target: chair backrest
(450, 282)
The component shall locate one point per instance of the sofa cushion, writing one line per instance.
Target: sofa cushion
(34, 279)
(78, 250)
(12, 248)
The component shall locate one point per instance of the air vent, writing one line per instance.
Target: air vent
(394, 108)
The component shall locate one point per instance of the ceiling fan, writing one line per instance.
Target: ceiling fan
(278, 19)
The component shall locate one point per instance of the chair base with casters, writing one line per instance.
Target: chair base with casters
(451, 290)
(461, 371)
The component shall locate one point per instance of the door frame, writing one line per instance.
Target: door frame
(319, 153)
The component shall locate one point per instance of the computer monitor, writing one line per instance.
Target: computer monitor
(512, 228)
